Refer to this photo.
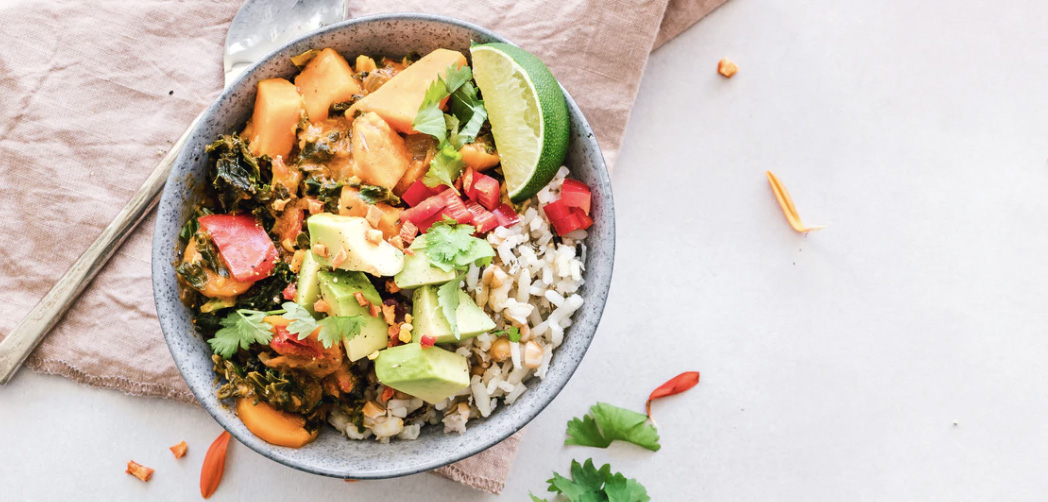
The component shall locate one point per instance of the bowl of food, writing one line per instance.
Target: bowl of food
(385, 248)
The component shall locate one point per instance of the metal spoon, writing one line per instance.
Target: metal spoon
(259, 27)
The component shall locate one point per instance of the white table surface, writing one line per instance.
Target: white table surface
(897, 355)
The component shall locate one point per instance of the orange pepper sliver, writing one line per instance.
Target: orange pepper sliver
(786, 203)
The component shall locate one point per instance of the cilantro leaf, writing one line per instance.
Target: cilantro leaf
(589, 484)
(430, 119)
(446, 165)
(240, 329)
(302, 322)
(470, 111)
(455, 77)
(606, 423)
(337, 328)
(451, 246)
(513, 333)
(448, 299)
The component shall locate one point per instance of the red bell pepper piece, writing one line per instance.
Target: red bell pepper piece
(560, 216)
(290, 291)
(455, 208)
(483, 221)
(286, 344)
(244, 246)
(576, 194)
(417, 193)
(487, 190)
(506, 216)
(425, 209)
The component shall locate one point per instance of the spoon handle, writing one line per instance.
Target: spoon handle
(17, 345)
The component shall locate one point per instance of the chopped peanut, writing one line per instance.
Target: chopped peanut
(389, 313)
(500, 349)
(374, 216)
(179, 450)
(339, 259)
(372, 356)
(314, 206)
(321, 306)
(288, 245)
(363, 302)
(373, 235)
(280, 204)
(372, 409)
(296, 260)
(532, 355)
(374, 310)
(320, 250)
(727, 68)
(391, 286)
(139, 471)
(397, 242)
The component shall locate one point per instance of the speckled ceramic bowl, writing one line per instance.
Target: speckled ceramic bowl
(332, 454)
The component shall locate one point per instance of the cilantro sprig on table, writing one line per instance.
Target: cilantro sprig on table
(589, 484)
(243, 327)
(606, 423)
(452, 130)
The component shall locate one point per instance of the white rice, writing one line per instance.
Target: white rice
(532, 284)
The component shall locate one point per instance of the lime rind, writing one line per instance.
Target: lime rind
(528, 114)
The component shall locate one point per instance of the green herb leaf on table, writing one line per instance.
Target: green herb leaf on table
(589, 484)
(448, 299)
(334, 329)
(450, 246)
(606, 423)
(240, 329)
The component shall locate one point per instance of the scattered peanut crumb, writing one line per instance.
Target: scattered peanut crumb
(339, 259)
(363, 302)
(397, 242)
(139, 471)
(321, 306)
(374, 310)
(389, 313)
(179, 450)
(727, 68)
(320, 250)
(372, 356)
(314, 206)
(391, 286)
(374, 216)
(373, 236)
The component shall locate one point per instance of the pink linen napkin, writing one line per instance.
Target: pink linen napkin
(93, 93)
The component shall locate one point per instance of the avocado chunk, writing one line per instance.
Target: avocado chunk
(428, 318)
(418, 271)
(346, 243)
(337, 288)
(308, 287)
(430, 374)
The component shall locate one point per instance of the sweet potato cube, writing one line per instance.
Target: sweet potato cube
(398, 100)
(327, 79)
(379, 154)
(278, 108)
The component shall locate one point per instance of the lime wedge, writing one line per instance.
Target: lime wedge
(528, 115)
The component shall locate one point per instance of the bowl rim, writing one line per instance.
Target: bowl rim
(526, 415)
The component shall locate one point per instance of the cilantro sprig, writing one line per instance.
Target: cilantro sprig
(606, 423)
(450, 246)
(513, 333)
(452, 130)
(333, 329)
(240, 329)
(587, 483)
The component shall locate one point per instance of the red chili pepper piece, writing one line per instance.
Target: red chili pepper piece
(387, 394)
(675, 385)
(243, 244)
(290, 291)
(427, 341)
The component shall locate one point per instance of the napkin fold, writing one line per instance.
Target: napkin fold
(93, 94)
